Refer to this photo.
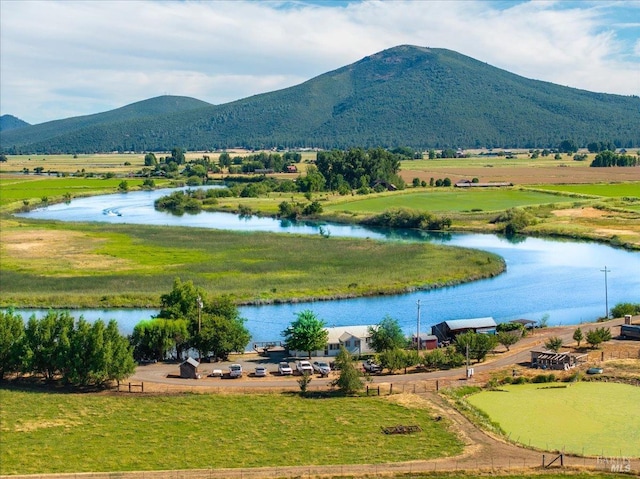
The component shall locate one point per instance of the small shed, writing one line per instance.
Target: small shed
(448, 330)
(545, 359)
(427, 341)
(189, 369)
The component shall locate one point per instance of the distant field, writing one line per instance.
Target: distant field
(579, 418)
(448, 199)
(49, 433)
(35, 187)
(614, 190)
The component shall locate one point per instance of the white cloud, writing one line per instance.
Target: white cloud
(65, 58)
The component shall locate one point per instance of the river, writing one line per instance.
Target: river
(561, 280)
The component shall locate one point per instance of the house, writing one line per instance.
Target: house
(355, 339)
(292, 169)
(546, 359)
(189, 369)
(448, 330)
(388, 186)
(427, 341)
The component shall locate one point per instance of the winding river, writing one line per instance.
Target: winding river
(560, 280)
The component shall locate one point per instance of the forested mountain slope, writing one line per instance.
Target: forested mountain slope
(403, 96)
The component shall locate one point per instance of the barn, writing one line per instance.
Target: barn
(448, 330)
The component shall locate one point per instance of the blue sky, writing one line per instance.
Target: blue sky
(66, 58)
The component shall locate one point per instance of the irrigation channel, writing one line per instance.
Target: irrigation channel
(560, 280)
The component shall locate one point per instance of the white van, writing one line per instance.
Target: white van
(235, 371)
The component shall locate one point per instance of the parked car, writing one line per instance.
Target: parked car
(304, 367)
(371, 367)
(321, 367)
(284, 368)
(260, 372)
(235, 371)
(594, 371)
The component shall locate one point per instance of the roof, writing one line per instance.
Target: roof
(342, 333)
(192, 361)
(425, 337)
(476, 323)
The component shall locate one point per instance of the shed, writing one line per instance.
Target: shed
(427, 341)
(189, 369)
(448, 330)
(546, 359)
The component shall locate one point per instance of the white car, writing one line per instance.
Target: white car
(304, 367)
(322, 367)
(235, 371)
(285, 369)
(261, 371)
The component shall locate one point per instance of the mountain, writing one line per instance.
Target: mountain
(403, 96)
(10, 122)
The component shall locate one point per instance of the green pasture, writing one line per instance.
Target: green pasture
(56, 264)
(33, 188)
(521, 159)
(591, 418)
(609, 190)
(54, 433)
(449, 199)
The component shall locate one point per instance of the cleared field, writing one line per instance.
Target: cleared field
(589, 418)
(98, 163)
(86, 432)
(450, 199)
(614, 190)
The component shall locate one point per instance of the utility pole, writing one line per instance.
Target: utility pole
(199, 303)
(606, 292)
(418, 328)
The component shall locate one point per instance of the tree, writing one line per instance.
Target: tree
(597, 336)
(387, 335)
(553, 344)
(11, 336)
(392, 359)
(155, 338)
(306, 333)
(509, 338)
(477, 345)
(621, 309)
(47, 343)
(578, 336)
(568, 146)
(150, 160)
(3, 157)
(123, 186)
(350, 379)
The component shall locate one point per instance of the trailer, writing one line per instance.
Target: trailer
(630, 331)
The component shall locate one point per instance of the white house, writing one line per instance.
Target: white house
(356, 340)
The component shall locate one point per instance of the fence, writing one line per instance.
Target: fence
(479, 465)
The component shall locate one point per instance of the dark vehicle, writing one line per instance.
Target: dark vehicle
(630, 331)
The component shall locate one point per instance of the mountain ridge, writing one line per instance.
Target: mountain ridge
(403, 96)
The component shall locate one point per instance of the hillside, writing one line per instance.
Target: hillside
(10, 122)
(403, 96)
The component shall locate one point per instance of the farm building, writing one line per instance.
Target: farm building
(545, 359)
(354, 338)
(427, 341)
(447, 330)
(189, 369)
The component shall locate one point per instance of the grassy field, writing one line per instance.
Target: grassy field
(49, 264)
(33, 188)
(48, 432)
(449, 199)
(585, 418)
(612, 190)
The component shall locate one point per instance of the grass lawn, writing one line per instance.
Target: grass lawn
(612, 190)
(103, 265)
(49, 433)
(589, 418)
(449, 199)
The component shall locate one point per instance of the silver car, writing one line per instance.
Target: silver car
(285, 369)
(321, 367)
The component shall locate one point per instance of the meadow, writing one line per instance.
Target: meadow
(607, 190)
(445, 200)
(54, 433)
(56, 264)
(591, 418)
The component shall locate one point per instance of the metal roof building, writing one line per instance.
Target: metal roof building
(448, 330)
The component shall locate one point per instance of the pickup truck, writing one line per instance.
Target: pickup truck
(304, 367)
(371, 367)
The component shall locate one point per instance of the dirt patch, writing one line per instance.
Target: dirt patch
(32, 250)
(580, 213)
